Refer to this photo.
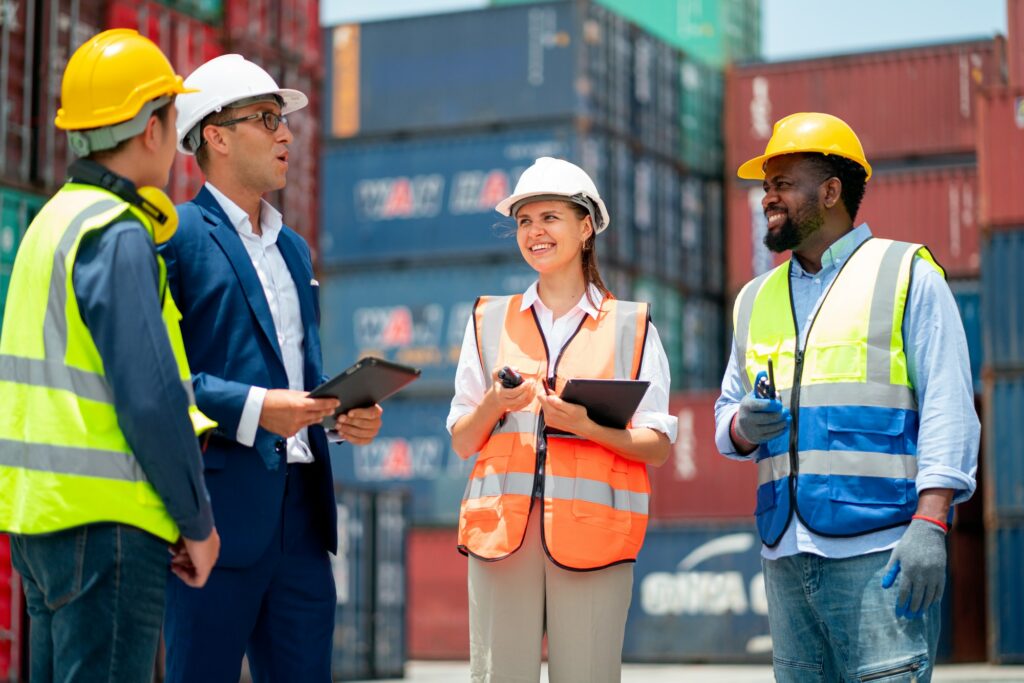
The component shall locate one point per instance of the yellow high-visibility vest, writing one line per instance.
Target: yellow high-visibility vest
(64, 461)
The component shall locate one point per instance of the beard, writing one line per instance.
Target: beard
(795, 229)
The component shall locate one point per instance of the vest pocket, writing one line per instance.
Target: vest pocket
(866, 456)
(601, 490)
(835, 361)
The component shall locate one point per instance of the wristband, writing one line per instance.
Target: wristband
(937, 522)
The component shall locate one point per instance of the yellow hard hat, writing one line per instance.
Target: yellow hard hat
(808, 132)
(110, 77)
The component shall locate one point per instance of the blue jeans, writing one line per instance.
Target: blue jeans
(95, 598)
(831, 620)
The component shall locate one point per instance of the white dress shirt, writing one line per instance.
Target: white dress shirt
(283, 300)
(471, 383)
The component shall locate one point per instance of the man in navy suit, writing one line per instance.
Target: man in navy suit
(244, 284)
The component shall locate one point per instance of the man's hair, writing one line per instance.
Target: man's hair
(162, 113)
(211, 119)
(851, 175)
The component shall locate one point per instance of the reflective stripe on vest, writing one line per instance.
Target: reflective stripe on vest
(64, 461)
(595, 502)
(855, 410)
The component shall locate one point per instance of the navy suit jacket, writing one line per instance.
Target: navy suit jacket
(232, 345)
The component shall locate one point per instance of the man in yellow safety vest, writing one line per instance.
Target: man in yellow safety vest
(865, 436)
(100, 467)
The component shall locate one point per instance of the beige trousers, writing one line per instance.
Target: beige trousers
(511, 601)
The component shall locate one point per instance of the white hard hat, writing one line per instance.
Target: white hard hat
(221, 82)
(550, 177)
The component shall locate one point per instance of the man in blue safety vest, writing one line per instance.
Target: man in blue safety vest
(865, 436)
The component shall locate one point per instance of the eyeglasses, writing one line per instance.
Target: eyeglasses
(271, 120)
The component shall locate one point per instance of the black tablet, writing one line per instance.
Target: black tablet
(609, 402)
(369, 381)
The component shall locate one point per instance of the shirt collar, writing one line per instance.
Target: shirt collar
(531, 297)
(271, 221)
(838, 252)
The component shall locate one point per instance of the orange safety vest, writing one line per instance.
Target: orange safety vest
(595, 501)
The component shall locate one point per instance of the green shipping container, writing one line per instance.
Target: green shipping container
(717, 32)
(17, 209)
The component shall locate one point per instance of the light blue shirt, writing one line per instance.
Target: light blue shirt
(939, 370)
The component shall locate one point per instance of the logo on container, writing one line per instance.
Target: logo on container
(420, 196)
(389, 327)
(399, 458)
(692, 592)
(478, 191)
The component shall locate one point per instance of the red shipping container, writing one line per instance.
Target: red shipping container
(438, 602)
(66, 24)
(698, 482)
(17, 41)
(1000, 157)
(902, 103)
(935, 206)
(252, 22)
(1015, 42)
(299, 34)
(11, 620)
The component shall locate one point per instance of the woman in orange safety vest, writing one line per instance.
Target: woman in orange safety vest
(556, 506)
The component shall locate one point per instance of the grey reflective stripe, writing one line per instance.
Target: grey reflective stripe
(745, 309)
(880, 320)
(840, 464)
(598, 492)
(858, 464)
(625, 337)
(493, 325)
(517, 423)
(53, 374)
(510, 483)
(857, 394)
(86, 462)
(773, 468)
(55, 328)
(187, 385)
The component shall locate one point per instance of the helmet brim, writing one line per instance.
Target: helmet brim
(504, 207)
(754, 168)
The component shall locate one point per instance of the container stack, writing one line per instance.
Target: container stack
(428, 123)
(920, 116)
(1001, 214)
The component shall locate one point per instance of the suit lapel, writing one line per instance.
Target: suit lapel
(231, 243)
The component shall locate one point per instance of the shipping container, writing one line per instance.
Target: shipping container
(697, 482)
(17, 88)
(1015, 42)
(1002, 299)
(9, 641)
(1005, 549)
(65, 25)
(209, 11)
(438, 620)
(908, 103)
(702, 89)
(370, 577)
(494, 66)
(17, 209)
(934, 206)
(714, 32)
(434, 197)
(1000, 149)
(698, 595)
(1004, 467)
(412, 454)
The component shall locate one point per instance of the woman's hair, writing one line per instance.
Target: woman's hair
(591, 274)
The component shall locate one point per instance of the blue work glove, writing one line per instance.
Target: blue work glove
(760, 419)
(920, 561)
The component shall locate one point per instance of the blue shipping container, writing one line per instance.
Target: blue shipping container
(412, 454)
(1002, 285)
(1004, 466)
(698, 595)
(1005, 549)
(478, 68)
(434, 197)
(415, 316)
